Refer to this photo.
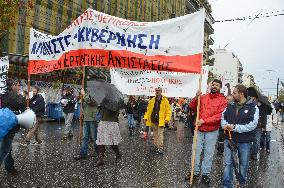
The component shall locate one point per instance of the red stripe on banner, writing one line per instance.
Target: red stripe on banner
(118, 59)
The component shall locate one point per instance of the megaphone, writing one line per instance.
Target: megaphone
(27, 119)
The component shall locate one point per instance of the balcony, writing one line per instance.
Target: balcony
(210, 62)
(210, 52)
(191, 6)
(208, 28)
(210, 41)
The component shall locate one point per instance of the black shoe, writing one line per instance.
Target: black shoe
(70, 135)
(154, 149)
(195, 177)
(130, 131)
(254, 157)
(13, 172)
(99, 163)
(133, 131)
(220, 152)
(160, 151)
(118, 157)
(205, 179)
(79, 157)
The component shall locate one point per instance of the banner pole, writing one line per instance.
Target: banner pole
(195, 133)
(29, 88)
(81, 107)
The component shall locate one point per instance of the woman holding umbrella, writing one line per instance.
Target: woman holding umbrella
(111, 101)
(108, 134)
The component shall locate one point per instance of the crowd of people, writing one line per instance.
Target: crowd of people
(236, 123)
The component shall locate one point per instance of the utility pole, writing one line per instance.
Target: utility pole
(277, 87)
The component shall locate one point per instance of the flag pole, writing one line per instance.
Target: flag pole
(81, 107)
(29, 88)
(195, 133)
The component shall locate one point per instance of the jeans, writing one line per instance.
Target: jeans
(282, 116)
(206, 141)
(265, 140)
(243, 152)
(130, 119)
(256, 141)
(5, 152)
(68, 122)
(89, 130)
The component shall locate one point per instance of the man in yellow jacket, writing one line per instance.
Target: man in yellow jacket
(157, 115)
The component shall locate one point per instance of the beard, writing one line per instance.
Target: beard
(158, 95)
(213, 91)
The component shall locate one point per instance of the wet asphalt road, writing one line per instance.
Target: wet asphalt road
(52, 164)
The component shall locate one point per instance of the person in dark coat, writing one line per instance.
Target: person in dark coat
(141, 108)
(37, 104)
(13, 100)
(68, 102)
(220, 144)
(130, 111)
(257, 132)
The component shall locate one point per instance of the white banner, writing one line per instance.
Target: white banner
(4, 67)
(174, 84)
(101, 40)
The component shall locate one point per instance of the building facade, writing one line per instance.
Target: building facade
(227, 67)
(248, 80)
(53, 16)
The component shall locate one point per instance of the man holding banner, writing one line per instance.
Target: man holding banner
(157, 115)
(211, 107)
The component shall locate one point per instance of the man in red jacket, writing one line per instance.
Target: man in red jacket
(211, 107)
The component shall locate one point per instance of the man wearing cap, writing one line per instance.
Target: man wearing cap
(157, 115)
(68, 102)
(211, 107)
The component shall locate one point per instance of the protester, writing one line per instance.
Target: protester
(13, 100)
(108, 135)
(157, 115)
(130, 110)
(190, 120)
(37, 104)
(220, 145)
(266, 130)
(141, 108)
(240, 117)
(211, 107)
(176, 110)
(68, 102)
(90, 125)
(281, 110)
(257, 132)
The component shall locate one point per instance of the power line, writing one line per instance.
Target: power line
(264, 15)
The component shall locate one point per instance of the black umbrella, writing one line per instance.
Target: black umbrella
(252, 92)
(235, 158)
(106, 95)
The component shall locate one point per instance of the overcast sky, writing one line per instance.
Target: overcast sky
(260, 44)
